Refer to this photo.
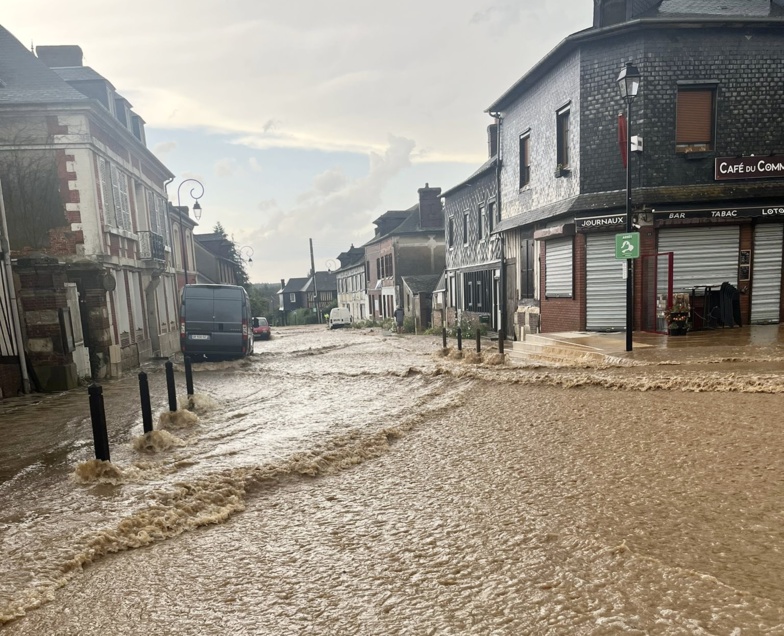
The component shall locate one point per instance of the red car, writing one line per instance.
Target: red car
(261, 328)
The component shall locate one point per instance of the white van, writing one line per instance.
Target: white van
(339, 317)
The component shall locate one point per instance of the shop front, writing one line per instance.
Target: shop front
(726, 265)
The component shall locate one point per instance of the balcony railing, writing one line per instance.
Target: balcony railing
(151, 247)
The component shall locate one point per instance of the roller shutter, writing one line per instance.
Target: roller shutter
(605, 287)
(702, 255)
(766, 273)
(558, 269)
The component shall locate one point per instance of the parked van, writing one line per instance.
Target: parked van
(215, 321)
(339, 317)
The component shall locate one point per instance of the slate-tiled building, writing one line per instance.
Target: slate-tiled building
(708, 181)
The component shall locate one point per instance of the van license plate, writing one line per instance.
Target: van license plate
(198, 336)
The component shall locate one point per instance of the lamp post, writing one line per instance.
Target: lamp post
(629, 85)
(499, 240)
(198, 187)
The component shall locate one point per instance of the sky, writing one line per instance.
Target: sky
(306, 119)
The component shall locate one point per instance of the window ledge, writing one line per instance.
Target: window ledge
(525, 188)
(562, 172)
(693, 155)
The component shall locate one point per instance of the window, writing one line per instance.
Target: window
(480, 222)
(490, 216)
(527, 268)
(451, 232)
(292, 298)
(367, 271)
(563, 138)
(695, 119)
(558, 268)
(525, 160)
(465, 229)
(378, 268)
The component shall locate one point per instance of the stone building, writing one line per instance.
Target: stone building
(707, 170)
(86, 207)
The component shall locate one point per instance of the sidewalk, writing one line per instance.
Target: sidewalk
(750, 342)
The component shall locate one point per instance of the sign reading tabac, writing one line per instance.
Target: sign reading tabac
(752, 167)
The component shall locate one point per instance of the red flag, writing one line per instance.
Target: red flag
(622, 137)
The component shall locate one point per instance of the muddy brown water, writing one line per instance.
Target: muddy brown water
(353, 482)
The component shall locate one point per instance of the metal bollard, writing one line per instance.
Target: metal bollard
(500, 343)
(459, 339)
(188, 376)
(144, 395)
(443, 336)
(98, 419)
(170, 386)
(478, 341)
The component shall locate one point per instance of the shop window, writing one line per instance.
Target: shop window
(696, 119)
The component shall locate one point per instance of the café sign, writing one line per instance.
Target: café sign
(752, 167)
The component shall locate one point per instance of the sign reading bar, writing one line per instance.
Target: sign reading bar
(769, 167)
(774, 211)
(627, 245)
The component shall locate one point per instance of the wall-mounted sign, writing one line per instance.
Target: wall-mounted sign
(773, 211)
(603, 221)
(769, 167)
(554, 232)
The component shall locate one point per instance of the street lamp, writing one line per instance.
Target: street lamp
(196, 212)
(246, 253)
(629, 84)
(498, 239)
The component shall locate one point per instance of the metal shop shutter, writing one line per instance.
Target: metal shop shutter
(702, 255)
(605, 287)
(766, 273)
(558, 281)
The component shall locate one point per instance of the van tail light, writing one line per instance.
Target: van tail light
(182, 327)
(244, 328)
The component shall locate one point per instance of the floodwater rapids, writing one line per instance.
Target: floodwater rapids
(357, 482)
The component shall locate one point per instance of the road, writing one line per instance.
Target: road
(357, 482)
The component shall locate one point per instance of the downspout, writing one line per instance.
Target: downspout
(502, 279)
(5, 252)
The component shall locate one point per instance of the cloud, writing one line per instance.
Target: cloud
(335, 211)
(164, 147)
(226, 167)
(254, 165)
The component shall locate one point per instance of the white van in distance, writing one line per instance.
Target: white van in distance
(339, 317)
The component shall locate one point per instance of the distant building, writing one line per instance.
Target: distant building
(351, 283)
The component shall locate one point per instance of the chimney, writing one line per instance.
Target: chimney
(431, 214)
(59, 56)
(492, 140)
(282, 284)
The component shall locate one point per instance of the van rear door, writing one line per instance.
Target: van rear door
(228, 312)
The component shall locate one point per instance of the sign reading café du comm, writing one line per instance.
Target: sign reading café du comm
(759, 167)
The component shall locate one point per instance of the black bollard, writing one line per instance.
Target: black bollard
(459, 339)
(478, 341)
(443, 336)
(500, 343)
(170, 386)
(98, 418)
(144, 395)
(188, 376)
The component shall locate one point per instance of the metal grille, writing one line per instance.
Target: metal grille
(559, 269)
(605, 286)
(766, 280)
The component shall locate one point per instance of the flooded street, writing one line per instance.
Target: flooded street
(355, 482)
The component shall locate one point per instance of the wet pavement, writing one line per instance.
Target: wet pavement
(354, 482)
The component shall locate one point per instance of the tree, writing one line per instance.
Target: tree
(31, 185)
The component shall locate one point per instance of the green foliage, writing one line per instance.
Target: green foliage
(468, 328)
(303, 316)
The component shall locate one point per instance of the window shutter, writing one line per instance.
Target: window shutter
(110, 216)
(152, 212)
(695, 117)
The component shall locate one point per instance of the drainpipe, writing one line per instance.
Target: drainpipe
(7, 273)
